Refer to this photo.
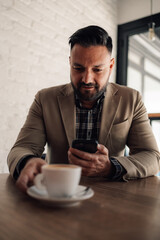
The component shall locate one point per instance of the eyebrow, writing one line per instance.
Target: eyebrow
(79, 65)
(100, 65)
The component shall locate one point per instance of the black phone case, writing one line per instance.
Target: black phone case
(85, 145)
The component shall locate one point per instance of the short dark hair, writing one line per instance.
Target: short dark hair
(91, 36)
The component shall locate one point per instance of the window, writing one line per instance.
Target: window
(144, 69)
(144, 74)
(139, 58)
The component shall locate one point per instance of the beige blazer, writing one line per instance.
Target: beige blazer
(52, 119)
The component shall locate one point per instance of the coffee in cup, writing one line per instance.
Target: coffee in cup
(60, 180)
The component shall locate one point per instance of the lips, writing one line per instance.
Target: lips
(87, 86)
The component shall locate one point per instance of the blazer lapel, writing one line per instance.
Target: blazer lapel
(110, 107)
(68, 112)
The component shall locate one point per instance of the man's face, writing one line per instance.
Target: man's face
(90, 71)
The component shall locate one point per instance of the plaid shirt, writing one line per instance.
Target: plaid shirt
(88, 120)
(88, 125)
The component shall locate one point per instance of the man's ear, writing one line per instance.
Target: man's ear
(111, 64)
(70, 60)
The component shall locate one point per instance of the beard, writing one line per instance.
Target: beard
(87, 95)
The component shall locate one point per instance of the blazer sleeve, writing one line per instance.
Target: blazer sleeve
(32, 137)
(144, 156)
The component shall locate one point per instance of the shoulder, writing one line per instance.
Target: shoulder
(124, 92)
(122, 89)
(129, 98)
(53, 92)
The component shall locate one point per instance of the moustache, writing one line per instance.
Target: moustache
(82, 84)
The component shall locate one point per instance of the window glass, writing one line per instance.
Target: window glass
(156, 128)
(134, 57)
(152, 68)
(134, 79)
(152, 95)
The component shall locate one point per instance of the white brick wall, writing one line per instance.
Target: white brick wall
(34, 52)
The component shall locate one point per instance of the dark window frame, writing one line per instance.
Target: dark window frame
(124, 32)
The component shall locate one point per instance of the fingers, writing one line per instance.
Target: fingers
(87, 161)
(93, 164)
(31, 169)
(22, 182)
(79, 160)
(80, 154)
(102, 149)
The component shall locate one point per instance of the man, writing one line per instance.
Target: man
(88, 108)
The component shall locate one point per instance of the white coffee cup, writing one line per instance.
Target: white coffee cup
(60, 180)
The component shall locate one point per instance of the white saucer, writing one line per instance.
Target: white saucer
(80, 195)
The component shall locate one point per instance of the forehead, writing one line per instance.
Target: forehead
(90, 54)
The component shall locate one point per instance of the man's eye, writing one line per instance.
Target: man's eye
(97, 70)
(78, 69)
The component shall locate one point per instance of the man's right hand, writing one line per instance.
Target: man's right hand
(28, 173)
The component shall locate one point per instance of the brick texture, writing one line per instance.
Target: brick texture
(34, 52)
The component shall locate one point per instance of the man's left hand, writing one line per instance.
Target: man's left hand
(93, 164)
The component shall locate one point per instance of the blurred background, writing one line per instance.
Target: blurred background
(34, 52)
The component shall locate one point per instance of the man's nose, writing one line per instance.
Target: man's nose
(87, 77)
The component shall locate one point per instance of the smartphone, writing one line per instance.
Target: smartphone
(85, 145)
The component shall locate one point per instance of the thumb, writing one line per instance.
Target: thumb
(102, 149)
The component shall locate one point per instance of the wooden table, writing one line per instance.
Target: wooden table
(118, 210)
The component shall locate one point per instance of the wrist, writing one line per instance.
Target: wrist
(33, 161)
(109, 171)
